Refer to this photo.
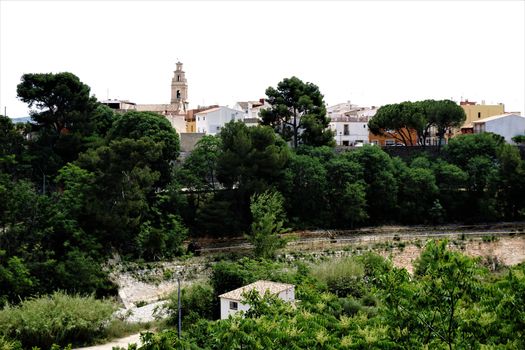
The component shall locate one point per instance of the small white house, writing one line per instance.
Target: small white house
(350, 123)
(231, 301)
(211, 121)
(507, 125)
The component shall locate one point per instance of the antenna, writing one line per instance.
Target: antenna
(108, 93)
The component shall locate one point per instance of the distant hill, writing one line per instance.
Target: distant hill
(21, 120)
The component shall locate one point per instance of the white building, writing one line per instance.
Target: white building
(211, 121)
(507, 125)
(252, 109)
(350, 123)
(231, 301)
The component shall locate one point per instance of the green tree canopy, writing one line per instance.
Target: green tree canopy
(298, 113)
(398, 121)
(150, 127)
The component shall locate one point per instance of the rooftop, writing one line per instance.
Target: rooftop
(260, 286)
(494, 117)
(209, 110)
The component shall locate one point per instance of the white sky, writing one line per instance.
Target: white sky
(370, 53)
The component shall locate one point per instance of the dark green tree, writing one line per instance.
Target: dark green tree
(381, 184)
(346, 192)
(268, 224)
(251, 161)
(398, 121)
(12, 146)
(66, 121)
(150, 127)
(298, 113)
(305, 190)
(444, 115)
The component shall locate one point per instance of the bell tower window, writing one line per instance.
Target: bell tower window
(178, 77)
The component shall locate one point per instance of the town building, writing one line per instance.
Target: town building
(507, 125)
(231, 302)
(349, 123)
(211, 121)
(121, 106)
(252, 109)
(175, 111)
(191, 125)
(475, 111)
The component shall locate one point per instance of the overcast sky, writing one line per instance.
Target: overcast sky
(370, 53)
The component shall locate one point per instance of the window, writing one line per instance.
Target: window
(203, 118)
(390, 142)
(364, 126)
(346, 143)
(346, 131)
(234, 305)
(373, 142)
(178, 77)
(479, 115)
(198, 119)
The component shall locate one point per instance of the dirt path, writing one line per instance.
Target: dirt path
(119, 343)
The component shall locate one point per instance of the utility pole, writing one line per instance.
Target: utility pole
(178, 302)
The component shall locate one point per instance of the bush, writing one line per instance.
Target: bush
(342, 276)
(6, 344)
(58, 318)
(197, 302)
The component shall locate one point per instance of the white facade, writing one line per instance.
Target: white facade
(350, 123)
(251, 109)
(211, 121)
(231, 301)
(178, 122)
(506, 125)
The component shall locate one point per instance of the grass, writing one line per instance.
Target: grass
(57, 318)
(119, 329)
(336, 268)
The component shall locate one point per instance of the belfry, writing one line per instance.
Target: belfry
(179, 89)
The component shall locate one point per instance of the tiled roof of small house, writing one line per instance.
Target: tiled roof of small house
(259, 286)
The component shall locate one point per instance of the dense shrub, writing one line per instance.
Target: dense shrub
(197, 302)
(342, 276)
(58, 318)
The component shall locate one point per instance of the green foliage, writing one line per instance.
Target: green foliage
(344, 277)
(417, 193)
(62, 119)
(252, 159)
(56, 319)
(519, 139)
(381, 184)
(298, 106)
(198, 301)
(227, 275)
(398, 121)
(6, 344)
(449, 302)
(11, 146)
(268, 224)
(304, 187)
(150, 127)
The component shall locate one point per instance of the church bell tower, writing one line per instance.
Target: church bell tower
(179, 88)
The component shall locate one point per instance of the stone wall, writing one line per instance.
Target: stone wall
(189, 140)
